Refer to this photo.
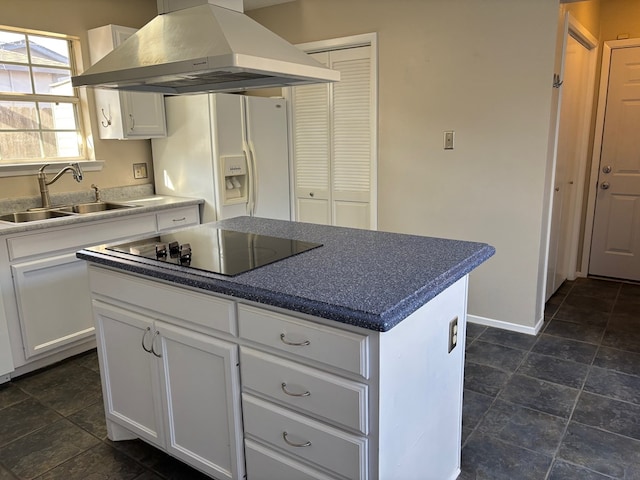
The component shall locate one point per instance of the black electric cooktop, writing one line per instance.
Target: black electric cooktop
(214, 250)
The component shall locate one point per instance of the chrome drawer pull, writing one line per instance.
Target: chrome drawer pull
(294, 344)
(180, 219)
(148, 350)
(284, 389)
(305, 444)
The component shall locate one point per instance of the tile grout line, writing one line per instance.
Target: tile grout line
(584, 382)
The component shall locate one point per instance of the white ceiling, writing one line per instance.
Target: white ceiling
(253, 4)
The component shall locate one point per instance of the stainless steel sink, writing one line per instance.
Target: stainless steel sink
(30, 216)
(40, 213)
(92, 207)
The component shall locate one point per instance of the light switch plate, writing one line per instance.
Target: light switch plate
(448, 139)
(139, 170)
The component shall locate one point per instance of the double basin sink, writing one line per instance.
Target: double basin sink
(35, 214)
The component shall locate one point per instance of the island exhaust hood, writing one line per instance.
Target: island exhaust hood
(203, 46)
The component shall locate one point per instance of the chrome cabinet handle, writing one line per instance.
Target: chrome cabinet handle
(106, 123)
(148, 350)
(294, 344)
(604, 185)
(606, 169)
(179, 219)
(284, 389)
(153, 340)
(288, 442)
(133, 122)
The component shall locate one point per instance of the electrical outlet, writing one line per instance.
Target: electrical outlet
(139, 170)
(453, 334)
(448, 139)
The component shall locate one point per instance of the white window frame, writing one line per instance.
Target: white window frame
(31, 166)
(365, 39)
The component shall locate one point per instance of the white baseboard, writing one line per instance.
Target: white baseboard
(514, 327)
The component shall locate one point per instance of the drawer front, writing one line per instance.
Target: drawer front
(79, 236)
(308, 439)
(205, 310)
(265, 464)
(180, 217)
(339, 348)
(313, 391)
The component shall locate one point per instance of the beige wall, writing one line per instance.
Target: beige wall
(75, 17)
(483, 69)
(619, 17)
(587, 13)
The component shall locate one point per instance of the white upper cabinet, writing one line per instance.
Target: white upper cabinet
(124, 115)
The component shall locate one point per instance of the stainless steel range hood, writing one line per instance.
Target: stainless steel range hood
(203, 46)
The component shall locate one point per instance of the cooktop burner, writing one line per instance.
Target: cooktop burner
(214, 250)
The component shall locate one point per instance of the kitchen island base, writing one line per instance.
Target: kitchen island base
(237, 388)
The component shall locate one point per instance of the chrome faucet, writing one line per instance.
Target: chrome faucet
(75, 170)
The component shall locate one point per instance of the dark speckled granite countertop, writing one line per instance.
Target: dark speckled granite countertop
(365, 278)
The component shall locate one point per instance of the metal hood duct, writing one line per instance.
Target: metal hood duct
(204, 47)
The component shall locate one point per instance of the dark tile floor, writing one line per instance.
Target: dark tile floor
(560, 406)
(564, 405)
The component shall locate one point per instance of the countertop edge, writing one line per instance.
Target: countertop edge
(225, 286)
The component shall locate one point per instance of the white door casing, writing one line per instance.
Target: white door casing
(615, 238)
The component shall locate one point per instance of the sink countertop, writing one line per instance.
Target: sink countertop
(144, 204)
(365, 278)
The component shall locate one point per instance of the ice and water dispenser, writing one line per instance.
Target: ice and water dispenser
(235, 179)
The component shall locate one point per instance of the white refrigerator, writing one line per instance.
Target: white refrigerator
(231, 150)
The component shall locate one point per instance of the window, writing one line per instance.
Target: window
(39, 109)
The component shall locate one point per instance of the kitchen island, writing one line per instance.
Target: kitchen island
(345, 361)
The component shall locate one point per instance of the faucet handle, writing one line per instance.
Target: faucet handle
(97, 191)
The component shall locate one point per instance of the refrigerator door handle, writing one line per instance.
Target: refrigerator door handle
(250, 178)
(254, 178)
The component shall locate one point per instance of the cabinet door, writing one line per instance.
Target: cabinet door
(143, 115)
(130, 380)
(53, 302)
(200, 379)
(124, 115)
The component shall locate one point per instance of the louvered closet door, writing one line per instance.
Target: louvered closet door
(332, 143)
(311, 138)
(351, 146)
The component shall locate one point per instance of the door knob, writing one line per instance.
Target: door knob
(604, 185)
(606, 169)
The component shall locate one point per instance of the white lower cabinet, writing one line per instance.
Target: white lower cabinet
(130, 373)
(173, 387)
(303, 418)
(305, 438)
(45, 291)
(309, 400)
(45, 287)
(201, 382)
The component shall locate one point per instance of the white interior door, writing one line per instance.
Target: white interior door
(571, 156)
(615, 245)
